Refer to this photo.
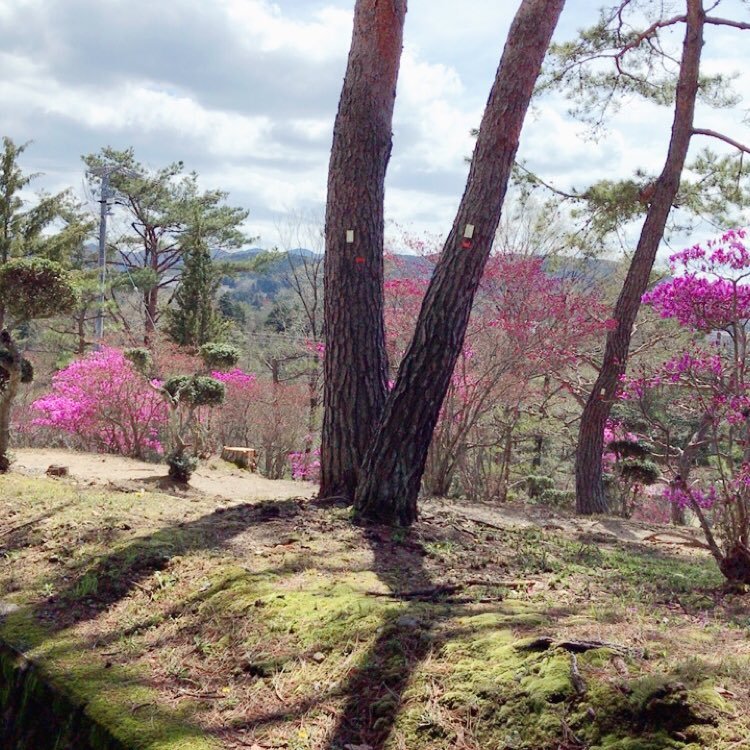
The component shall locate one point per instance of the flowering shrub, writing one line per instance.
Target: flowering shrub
(305, 465)
(271, 417)
(103, 401)
(230, 424)
(278, 424)
(527, 327)
(707, 388)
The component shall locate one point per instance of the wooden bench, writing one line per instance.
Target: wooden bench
(244, 458)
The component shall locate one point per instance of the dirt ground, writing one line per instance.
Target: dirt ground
(245, 615)
(213, 477)
(217, 478)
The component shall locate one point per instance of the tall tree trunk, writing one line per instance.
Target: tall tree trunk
(11, 379)
(356, 366)
(150, 304)
(393, 468)
(590, 496)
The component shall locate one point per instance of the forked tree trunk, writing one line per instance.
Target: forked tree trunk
(393, 468)
(356, 367)
(590, 496)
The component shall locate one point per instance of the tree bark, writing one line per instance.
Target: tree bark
(590, 496)
(150, 309)
(11, 380)
(394, 464)
(356, 367)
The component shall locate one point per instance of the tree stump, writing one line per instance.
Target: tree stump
(243, 458)
(57, 471)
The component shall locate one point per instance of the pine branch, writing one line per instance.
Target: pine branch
(648, 33)
(720, 136)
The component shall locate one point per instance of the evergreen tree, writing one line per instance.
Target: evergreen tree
(33, 282)
(393, 465)
(161, 208)
(195, 318)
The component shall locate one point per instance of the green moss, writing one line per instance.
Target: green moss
(291, 622)
(707, 695)
(318, 614)
(548, 681)
(117, 702)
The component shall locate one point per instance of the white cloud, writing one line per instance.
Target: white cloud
(245, 91)
(264, 25)
(432, 103)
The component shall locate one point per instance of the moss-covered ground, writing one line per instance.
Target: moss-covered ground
(195, 623)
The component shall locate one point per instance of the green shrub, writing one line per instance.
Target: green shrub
(181, 467)
(536, 485)
(630, 448)
(195, 390)
(219, 356)
(557, 498)
(140, 358)
(639, 470)
(36, 288)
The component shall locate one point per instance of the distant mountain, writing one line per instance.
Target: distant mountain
(238, 255)
(258, 288)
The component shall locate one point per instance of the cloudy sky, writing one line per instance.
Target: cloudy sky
(245, 92)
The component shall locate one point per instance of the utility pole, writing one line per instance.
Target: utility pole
(104, 173)
(103, 201)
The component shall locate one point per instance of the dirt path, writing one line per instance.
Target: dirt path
(213, 477)
(217, 478)
(596, 530)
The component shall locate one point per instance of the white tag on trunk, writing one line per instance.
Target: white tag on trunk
(469, 231)
(349, 236)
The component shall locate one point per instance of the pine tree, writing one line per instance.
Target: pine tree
(356, 365)
(392, 469)
(160, 208)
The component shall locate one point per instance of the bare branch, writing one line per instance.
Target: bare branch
(649, 32)
(743, 25)
(720, 136)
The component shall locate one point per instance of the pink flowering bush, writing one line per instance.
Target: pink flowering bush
(231, 423)
(305, 465)
(106, 404)
(707, 387)
(527, 328)
(271, 417)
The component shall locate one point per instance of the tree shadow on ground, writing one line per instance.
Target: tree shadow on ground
(374, 693)
(102, 581)
(376, 687)
(375, 690)
(21, 535)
